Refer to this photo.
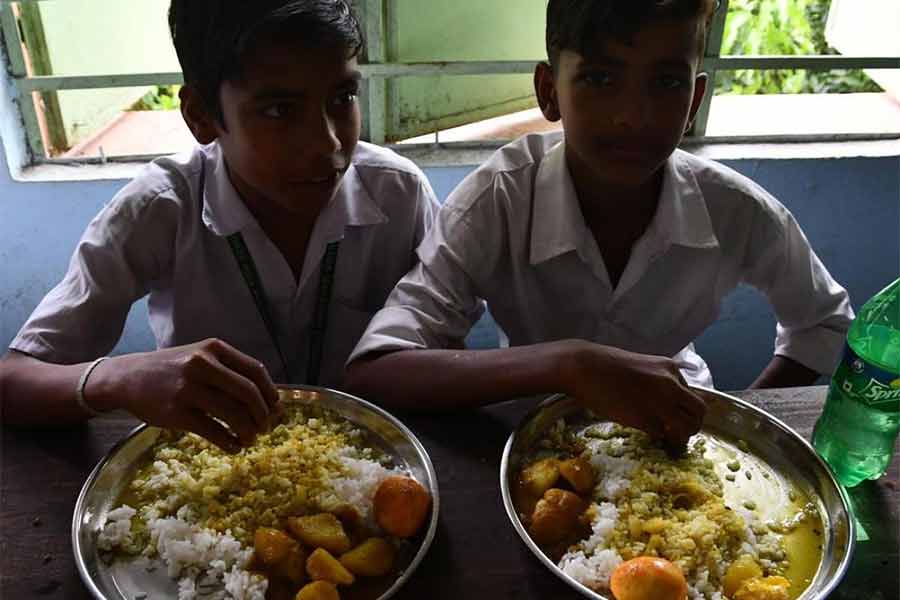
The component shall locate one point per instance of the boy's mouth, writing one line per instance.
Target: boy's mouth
(321, 179)
(628, 153)
(329, 177)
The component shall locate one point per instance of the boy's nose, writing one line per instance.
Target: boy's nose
(321, 135)
(631, 112)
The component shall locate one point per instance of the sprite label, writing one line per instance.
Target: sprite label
(866, 383)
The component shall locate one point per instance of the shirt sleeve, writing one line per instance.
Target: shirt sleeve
(435, 304)
(118, 256)
(813, 311)
(428, 207)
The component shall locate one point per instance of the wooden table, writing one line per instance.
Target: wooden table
(476, 553)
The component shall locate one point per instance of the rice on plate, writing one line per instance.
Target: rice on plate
(619, 515)
(307, 506)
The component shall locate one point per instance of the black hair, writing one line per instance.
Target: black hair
(212, 37)
(578, 24)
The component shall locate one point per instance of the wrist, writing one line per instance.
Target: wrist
(570, 360)
(96, 389)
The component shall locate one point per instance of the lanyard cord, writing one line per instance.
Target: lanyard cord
(320, 315)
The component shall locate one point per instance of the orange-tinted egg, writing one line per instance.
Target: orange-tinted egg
(401, 505)
(648, 578)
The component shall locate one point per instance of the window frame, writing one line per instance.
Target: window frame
(377, 71)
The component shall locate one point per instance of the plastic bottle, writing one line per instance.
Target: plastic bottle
(856, 431)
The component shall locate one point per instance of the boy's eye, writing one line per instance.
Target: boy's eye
(671, 82)
(277, 111)
(598, 78)
(346, 97)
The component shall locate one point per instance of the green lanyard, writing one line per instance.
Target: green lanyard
(320, 315)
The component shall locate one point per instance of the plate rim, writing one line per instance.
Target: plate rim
(77, 513)
(552, 399)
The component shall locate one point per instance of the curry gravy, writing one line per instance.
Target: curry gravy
(774, 500)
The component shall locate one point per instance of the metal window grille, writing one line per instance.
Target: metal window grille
(376, 73)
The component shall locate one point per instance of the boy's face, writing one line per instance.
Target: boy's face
(291, 124)
(625, 107)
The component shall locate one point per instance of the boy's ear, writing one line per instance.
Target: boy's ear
(699, 92)
(545, 90)
(197, 117)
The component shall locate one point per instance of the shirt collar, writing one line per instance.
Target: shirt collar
(351, 206)
(225, 213)
(557, 223)
(681, 216)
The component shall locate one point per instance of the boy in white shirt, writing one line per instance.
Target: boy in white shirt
(265, 250)
(603, 254)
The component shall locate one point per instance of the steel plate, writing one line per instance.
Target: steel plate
(127, 580)
(727, 418)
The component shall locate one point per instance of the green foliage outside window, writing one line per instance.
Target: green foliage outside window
(161, 97)
(783, 27)
(753, 27)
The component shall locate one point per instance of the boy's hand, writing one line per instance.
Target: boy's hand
(195, 388)
(637, 390)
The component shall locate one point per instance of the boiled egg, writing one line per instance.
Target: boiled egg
(401, 505)
(648, 578)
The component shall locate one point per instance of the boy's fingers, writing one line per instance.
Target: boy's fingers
(691, 414)
(685, 426)
(216, 374)
(684, 420)
(696, 408)
(206, 427)
(255, 371)
(213, 403)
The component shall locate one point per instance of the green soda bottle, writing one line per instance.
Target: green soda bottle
(855, 433)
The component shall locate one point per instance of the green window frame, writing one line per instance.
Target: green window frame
(377, 72)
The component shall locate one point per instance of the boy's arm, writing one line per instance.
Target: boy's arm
(126, 246)
(177, 388)
(785, 372)
(402, 361)
(637, 390)
(813, 311)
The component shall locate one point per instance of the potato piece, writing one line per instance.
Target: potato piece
(401, 505)
(579, 473)
(293, 566)
(348, 516)
(318, 590)
(272, 545)
(556, 516)
(764, 588)
(322, 565)
(589, 515)
(741, 570)
(540, 476)
(323, 530)
(373, 558)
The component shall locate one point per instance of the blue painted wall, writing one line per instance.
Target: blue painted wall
(849, 208)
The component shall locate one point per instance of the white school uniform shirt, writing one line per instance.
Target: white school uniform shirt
(512, 233)
(164, 234)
